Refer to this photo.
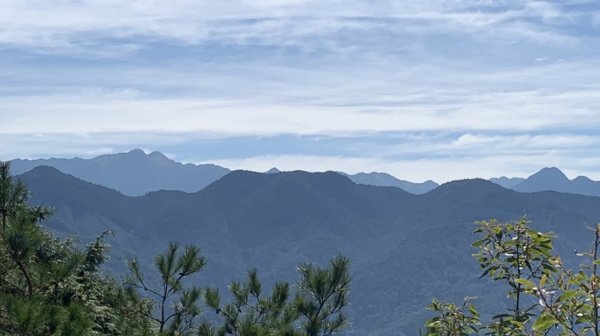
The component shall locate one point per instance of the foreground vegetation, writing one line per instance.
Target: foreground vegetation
(50, 287)
(547, 298)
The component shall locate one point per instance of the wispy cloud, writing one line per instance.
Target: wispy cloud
(308, 113)
(489, 84)
(64, 24)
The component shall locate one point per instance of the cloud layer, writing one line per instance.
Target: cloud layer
(421, 89)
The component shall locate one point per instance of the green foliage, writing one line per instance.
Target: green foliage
(566, 301)
(173, 267)
(569, 299)
(13, 195)
(515, 254)
(316, 309)
(453, 320)
(251, 312)
(48, 287)
(36, 270)
(323, 294)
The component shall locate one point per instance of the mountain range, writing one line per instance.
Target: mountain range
(551, 179)
(387, 180)
(136, 173)
(406, 249)
(133, 173)
(507, 182)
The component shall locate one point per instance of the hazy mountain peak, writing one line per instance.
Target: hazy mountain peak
(159, 155)
(136, 152)
(273, 170)
(550, 173)
(133, 173)
(507, 182)
(44, 171)
(582, 179)
(475, 184)
(386, 180)
(551, 179)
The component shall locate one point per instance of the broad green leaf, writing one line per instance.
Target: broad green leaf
(526, 283)
(544, 322)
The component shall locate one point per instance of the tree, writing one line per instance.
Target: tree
(316, 308)
(563, 301)
(569, 299)
(513, 253)
(173, 267)
(34, 269)
(13, 195)
(47, 286)
(323, 295)
(251, 312)
(453, 320)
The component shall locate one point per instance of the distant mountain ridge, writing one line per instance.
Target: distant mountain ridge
(273, 170)
(136, 173)
(133, 173)
(405, 248)
(387, 180)
(551, 179)
(507, 182)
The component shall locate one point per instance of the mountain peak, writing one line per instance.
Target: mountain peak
(156, 155)
(550, 173)
(273, 170)
(137, 152)
(583, 179)
(553, 179)
(44, 171)
(134, 173)
(475, 185)
(387, 180)
(549, 178)
(507, 182)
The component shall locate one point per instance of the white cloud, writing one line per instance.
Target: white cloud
(105, 112)
(513, 77)
(76, 24)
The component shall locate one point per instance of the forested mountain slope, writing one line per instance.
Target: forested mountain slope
(405, 248)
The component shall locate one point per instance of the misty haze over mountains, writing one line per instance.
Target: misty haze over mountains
(136, 173)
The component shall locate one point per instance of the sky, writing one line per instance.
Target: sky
(425, 89)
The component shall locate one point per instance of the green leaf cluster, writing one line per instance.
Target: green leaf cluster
(315, 309)
(49, 287)
(559, 301)
(451, 319)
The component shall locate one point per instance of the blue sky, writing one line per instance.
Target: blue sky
(420, 89)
